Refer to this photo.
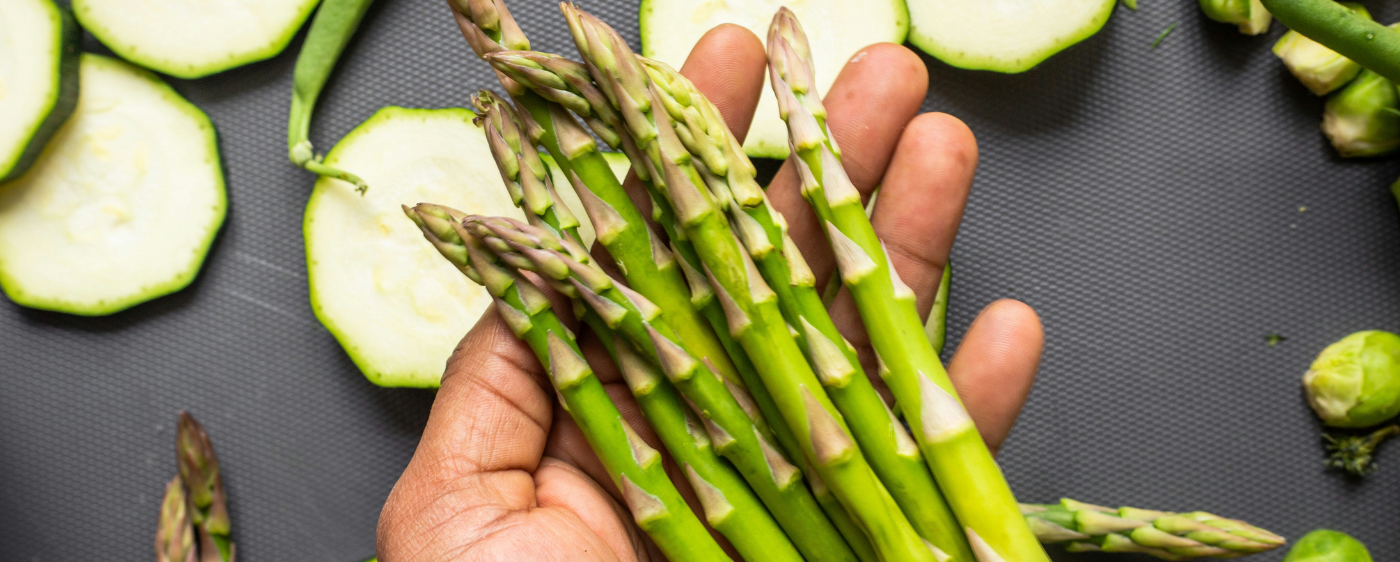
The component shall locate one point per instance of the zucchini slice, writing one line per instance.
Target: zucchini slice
(1003, 35)
(838, 30)
(38, 79)
(122, 205)
(192, 39)
(393, 303)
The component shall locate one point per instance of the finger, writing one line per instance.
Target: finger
(728, 66)
(876, 94)
(994, 367)
(484, 436)
(561, 484)
(919, 209)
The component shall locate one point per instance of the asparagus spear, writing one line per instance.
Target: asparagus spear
(1166, 535)
(636, 468)
(555, 78)
(959, 459)
(199, 469)
(731, 507)
(735, 427)
(175, 533)
(892, 453)
(750, 304)
(619, 226)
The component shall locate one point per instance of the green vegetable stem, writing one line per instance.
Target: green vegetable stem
(331, 30)
(1319, 68)
(1354, 454)
(1341, 29)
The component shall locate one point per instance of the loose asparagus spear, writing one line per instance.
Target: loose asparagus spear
(175, 533)
(618, 224)
(199, 468)
(636, 468)
(892, 453)
(731, 507)
(959, 459)
(750, 304)
(1166, 535)
(555, 78)
(735, 427)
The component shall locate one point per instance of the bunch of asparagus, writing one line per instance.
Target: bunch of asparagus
(716, 323)
(194, 522)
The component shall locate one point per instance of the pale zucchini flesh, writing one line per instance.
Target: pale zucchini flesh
(38, 79)
(1003, 35)
(396, 307)
(838, 29)
(123, 204)
(193, 38)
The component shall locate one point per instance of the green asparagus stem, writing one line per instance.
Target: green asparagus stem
(616, 221)
(750, 304)
(1321, 69)
(1358, 38)
(1170, 536)
(199, 468)
(730, 506)
(725, 168)
(1353, 454)
(936, 327)
(959, 459)
(555, 78)
(175, 533)
(734, 426)
(1363, 119)
(636, 468)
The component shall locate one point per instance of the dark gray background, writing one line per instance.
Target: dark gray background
(1147, 202)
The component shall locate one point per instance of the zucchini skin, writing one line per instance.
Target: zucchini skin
(70, 38)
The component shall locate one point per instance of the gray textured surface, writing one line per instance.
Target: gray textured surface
(1146, 202)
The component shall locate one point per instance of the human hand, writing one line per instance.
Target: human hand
(503, 473)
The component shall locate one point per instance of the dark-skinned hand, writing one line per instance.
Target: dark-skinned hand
(503, 473)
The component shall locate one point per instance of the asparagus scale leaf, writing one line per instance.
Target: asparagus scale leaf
(1170, 536)
(199, 468)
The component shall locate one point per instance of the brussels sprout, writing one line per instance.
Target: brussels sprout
(1363, 119)
(1321, 69)
(1250, 15)
(1324, 545)
(1356, 381)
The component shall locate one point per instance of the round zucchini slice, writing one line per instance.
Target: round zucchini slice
(396, 306)
(122, 205)
(38, 79)
(838, 29)
(192, 39)
(1003, 35)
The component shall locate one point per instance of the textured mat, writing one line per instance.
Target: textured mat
(1163, 209)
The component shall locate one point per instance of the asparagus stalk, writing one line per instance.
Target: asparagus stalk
(894, 456)
(555, 78)
(636, 468)
(617, 222)
(1321, 69)
(1170, 536)
(750, 304)
(199, 469)
(959, 459)
(175, 533)
(1354, 454)
(733, 424)
(731, 507)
